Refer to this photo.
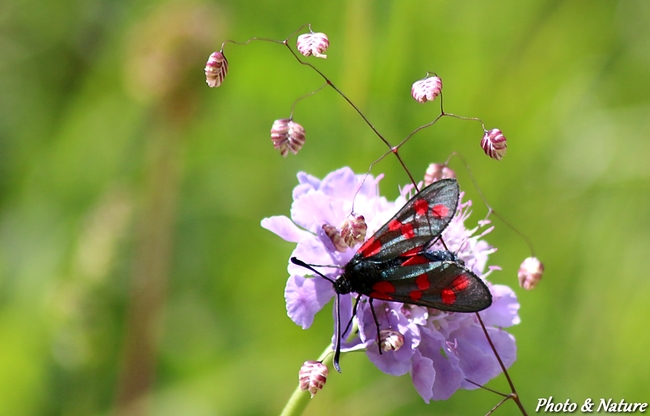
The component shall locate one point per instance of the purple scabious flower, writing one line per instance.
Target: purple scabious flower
(441, 349)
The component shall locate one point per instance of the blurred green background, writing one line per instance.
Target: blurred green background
(135, 278)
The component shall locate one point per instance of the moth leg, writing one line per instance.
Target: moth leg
(354, 313)
(374, 316)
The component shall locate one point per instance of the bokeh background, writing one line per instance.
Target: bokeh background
(135, 278)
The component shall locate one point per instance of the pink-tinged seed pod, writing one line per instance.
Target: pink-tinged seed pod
(216, 69)
(312, 376)
(335, 236)
(494, 144)
(287, 136)
(312, 43)
(437, 171)
(390, 340)
(530, 273)
(426, 89)
(353, 230)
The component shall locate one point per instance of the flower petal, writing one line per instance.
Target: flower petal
(312, 251)
(285, 228)
(305, 297)
(306, 183)
(314, 209)
(397, 362)
(340, 184)
(449, 376)
(347, 345)
(504, 309)
(477, 358)
(423, 375)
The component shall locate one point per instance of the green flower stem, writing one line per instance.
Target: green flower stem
(300, 399)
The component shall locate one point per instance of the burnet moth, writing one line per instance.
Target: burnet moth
(397, 264)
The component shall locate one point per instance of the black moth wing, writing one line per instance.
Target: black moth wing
(443, 285)
(419, 221)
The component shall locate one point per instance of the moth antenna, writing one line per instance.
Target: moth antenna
(301, 263)
(337, 348)
(337, 301)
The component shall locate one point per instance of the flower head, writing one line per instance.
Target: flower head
(437, 171)
(426, 89)
(353, 230)
(440, 350)
(494, 144)
(313, 43)
(390, 340)
(287, 136)
(530, 273)
(216, 69)
(312, 377)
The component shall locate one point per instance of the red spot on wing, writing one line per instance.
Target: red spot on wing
(381, 296)
(460, 283)
(448, 296)
(382, 290)
(415, 260)
(440, 211)
(383, 287)
(422, 281)
(420, 206)
(415, 295)
(407, 231)
(370, 247)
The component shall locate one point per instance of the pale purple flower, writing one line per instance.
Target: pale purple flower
(439, 349)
